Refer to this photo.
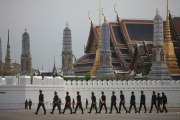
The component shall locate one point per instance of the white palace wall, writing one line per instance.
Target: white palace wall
(14, 91)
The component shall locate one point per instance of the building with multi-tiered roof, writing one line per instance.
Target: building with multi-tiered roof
(131, 44)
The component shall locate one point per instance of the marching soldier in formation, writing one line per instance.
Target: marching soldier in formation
(41, 102)
(30, 104)
(26, 105)
(93, 104)
(86, 103)
(103, 102)
(133, 102)
(60, 103)
(142, 101)
(73, 103)
(159, 102)
(100, 103)
(113, 102)
(153, 102)
(122, 102)
(164, 102)
(56, 103)
(68, 103)
(78, 103)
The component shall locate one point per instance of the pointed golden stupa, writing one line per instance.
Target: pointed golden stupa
(168, 45)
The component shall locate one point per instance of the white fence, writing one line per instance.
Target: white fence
(16, 90)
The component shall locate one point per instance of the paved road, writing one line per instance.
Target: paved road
(173, 114)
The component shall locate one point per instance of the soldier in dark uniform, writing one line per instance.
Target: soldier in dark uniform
(30, 104)
(26, 105)
(73, 103)
(122, 102)
(56, 103)
(159, 102)
(79, 103)
(86, 103)
(132, 102)
(100, 103)
(41, 102)
(103, 102)
(113, 102)
(60, 103)
(153, 102)
(68, 103)
(93, 104)
(142, 102)
(164, 102)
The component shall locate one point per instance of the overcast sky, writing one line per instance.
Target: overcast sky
(45, 21)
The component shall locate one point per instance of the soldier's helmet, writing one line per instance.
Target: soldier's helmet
(67, 92)
(132, 92)
(113, 92)
(92, 93)
(163, 93)
(102, 92)
(77, 92)
(55, 92)
(142, 91)
(154, 92)
(40, 91)
(121, 91)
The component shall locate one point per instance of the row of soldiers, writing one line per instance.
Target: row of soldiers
(155, 101)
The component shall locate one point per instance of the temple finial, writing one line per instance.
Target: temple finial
(104, 16)
(25, 29)
(89, 17)
(67, 25)
(8, 36)
(54, 62)
(117, 16)
(157, 11)
(100, 11)
(167, 7)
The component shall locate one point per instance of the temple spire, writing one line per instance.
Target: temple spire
(167, 7)
(0, 55)
(89, 17)
(8, 39)
(54, 62)
(117, 16)
(8, 65)
(26, 60)
(169, 47)
(67, 25)
(100, 11)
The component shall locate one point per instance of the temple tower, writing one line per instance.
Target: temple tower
(54, 70)
(159, 69)
(170, 54)
(8, 67)
(26, 63)
(67, 56)
(105, 70)
(0, 55)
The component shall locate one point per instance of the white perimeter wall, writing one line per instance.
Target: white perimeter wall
(14, 90)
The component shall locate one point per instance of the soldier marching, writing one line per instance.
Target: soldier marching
(156, 101)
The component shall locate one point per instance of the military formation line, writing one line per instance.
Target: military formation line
(158, 101)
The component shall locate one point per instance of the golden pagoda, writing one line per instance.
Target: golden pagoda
(168, 45)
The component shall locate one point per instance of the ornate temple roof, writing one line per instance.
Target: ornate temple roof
(127, 37)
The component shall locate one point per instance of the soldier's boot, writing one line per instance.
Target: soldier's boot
(51, 112)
